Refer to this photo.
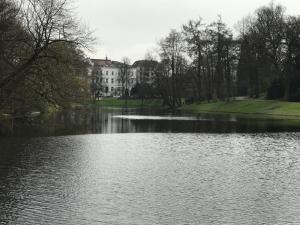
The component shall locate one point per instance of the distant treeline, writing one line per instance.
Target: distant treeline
(42, 60)
(41, 56)
(208, 62)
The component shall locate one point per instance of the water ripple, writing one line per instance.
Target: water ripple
(240, 179)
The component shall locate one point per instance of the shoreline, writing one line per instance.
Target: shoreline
(249, 107)
(131, 103)
(254, 108)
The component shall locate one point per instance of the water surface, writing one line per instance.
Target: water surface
(99, 120)
(143, 168)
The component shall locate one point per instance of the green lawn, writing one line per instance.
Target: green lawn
(251, 107)
(131, 103)
(263, 107)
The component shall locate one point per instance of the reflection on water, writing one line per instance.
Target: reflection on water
(103, 120)
(147, 117)
(236, 179)
(148, 167)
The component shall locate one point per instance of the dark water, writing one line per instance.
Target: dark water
(105, 120)
(142, 167)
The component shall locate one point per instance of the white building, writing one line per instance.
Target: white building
(111, 78)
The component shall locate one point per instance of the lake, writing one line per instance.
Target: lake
(116, 166)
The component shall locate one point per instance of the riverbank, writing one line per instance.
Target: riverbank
(247, 107)
(131, 103)
(251, 107)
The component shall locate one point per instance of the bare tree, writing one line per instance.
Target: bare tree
(173, 68)
(195, 36)
(46, 23)
(125, 77)
(291, 57)
(263, 51)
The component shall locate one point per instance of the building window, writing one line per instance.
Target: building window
(112, 88)
(106, 72)
(112, 72)
(112, 81)
(106, 80)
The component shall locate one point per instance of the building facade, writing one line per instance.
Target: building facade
(115, 79)
(110, 78)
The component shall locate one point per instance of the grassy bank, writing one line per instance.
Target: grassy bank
(131, 103)
(246, 107)
(254, 107)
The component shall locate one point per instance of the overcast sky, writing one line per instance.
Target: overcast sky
(132, 27)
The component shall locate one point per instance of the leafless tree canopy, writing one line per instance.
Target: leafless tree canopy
(207, 62)
(43, 31)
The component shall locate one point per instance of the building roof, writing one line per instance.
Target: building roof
(145, 63)
(106, 62)
(101, 62)
(110, 63)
